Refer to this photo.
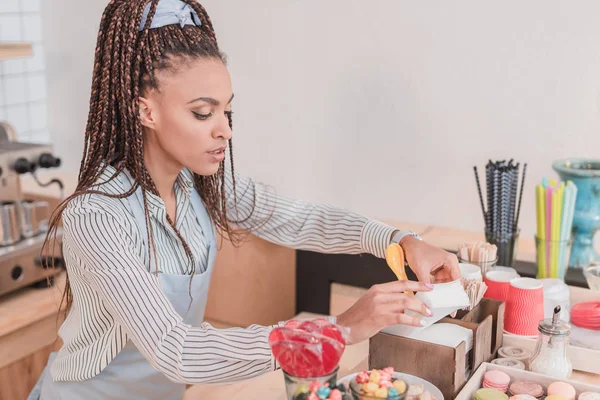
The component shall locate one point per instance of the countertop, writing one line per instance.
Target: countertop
(355, 359)
(271, 385)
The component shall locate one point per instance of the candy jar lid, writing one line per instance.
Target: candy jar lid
(554, 326)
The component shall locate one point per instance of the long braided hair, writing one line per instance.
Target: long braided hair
(126, 62)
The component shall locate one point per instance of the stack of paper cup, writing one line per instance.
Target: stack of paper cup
(470, 272)
(556, 293)
(510, 270)
(498, 284)
(524, 307)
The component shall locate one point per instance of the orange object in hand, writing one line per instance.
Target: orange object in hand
(394, 256)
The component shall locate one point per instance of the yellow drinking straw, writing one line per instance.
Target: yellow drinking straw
(540, 200)
(554, 233)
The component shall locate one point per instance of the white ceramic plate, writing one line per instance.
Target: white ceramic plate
(410, 379)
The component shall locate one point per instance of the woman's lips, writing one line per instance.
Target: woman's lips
(218, 155)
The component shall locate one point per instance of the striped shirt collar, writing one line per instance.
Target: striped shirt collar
(184, 185)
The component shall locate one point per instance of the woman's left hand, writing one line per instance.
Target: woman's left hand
(426, 260)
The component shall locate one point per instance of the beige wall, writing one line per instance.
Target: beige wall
(380, 106)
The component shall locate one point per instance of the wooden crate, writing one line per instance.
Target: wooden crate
(484, 309)
(482, 339)
(443, 366)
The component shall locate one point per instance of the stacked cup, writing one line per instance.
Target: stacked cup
(556, 293)
(498, 284)
(524, 306)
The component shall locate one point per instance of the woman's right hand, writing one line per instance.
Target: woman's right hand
(381, 306)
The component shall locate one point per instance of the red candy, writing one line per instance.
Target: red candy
(362, 377)
(314, 386)
(307, 348)
(335, 395)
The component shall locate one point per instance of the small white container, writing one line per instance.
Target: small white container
(556, 293)
(510, 270)
(470, 272)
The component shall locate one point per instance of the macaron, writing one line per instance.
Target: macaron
(555, 397)
(526, 387)
(490, 394)
(496, 380)
(589, 396)
(522, 397)
(562, 389)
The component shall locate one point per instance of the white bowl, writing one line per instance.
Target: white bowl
(410, 379)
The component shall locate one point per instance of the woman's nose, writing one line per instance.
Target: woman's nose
(223, 128)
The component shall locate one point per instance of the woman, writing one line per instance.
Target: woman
(139, 231)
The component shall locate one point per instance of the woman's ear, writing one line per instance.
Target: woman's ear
(146, 113)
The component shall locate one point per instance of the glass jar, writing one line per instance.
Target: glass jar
(295, 386)
(551, 352)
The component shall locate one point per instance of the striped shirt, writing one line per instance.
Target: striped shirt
(117, 296)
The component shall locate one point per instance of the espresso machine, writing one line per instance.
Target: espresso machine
(24, 222)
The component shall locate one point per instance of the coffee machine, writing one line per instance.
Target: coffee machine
(24, 222)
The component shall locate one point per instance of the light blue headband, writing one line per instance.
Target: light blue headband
(169, 12)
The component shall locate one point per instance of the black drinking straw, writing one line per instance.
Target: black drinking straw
(520, 197)
(489, 189)
(480, 194)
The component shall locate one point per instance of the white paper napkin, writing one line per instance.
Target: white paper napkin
(443, 300)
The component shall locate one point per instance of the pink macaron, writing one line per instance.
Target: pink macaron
(562, 389)
(496, 380)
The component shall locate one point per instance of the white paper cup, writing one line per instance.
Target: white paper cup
(470, 271)
(506, 269)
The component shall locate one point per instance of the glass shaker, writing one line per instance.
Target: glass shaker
(551, 353)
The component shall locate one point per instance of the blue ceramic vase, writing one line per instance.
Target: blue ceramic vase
(585, 174)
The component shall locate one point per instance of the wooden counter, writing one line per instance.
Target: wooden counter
(28, 318)
(355, 358)
(29, 322)
(271, 385)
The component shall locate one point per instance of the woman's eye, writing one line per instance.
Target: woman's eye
(201, 116)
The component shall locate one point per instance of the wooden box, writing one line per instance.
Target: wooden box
(482, 339)
(477, 379)
(443, 366)
(484, 309)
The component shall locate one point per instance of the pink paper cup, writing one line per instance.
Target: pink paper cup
(498, 284)
(524, 307)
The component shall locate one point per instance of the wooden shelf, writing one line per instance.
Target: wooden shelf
(15, 50)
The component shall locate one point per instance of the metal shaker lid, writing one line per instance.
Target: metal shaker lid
(554, 326)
